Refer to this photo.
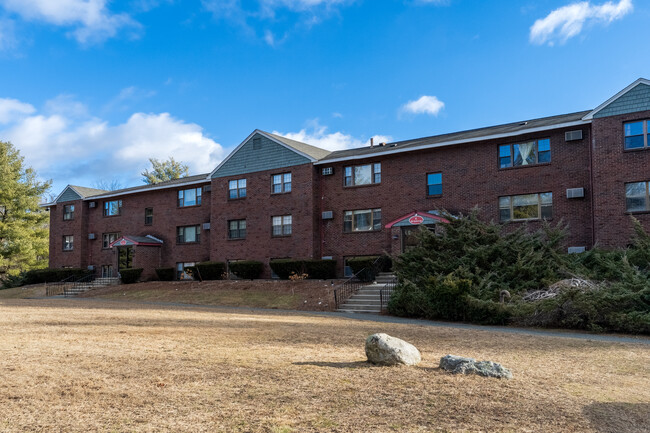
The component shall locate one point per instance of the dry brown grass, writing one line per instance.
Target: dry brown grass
(74, 366)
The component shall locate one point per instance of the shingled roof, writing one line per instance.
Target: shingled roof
(514, 128)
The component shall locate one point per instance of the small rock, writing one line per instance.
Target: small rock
(382, 349)
(460, 365)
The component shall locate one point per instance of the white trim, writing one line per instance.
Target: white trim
(152, 188)
(268, 136)
(592, 113)
(64, 190)
(454, 142)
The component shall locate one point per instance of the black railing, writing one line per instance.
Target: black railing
(73, 288)
(57, 288)
(386, 292)
(352, 285)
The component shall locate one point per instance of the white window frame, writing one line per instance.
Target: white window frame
(283, 224)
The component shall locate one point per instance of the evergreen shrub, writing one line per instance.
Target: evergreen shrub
(211, 270)
(131, 275)
(247, 269)
(165, 274)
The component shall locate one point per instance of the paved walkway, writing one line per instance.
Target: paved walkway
(391, 319)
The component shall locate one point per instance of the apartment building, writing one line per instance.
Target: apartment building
(273, 197)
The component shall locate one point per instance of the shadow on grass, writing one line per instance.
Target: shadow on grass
(618, 417)
(355, 364)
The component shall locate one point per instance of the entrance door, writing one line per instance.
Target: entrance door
(409, 236)
(125, 258)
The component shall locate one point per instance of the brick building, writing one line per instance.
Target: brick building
(273, 197)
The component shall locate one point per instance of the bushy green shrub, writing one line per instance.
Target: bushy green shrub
(285, 267)
(320, 269)
(52, 275)
(460, 273)
(247, 269)
(130, 276)
(211, 270)
(366, 267)
(165, 274)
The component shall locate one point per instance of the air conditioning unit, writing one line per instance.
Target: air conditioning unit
(573, 135)
(575, 193)
(91, 236)
(206, 226)
(327, 258)
(328, 215)
(328, 171)
(92, 204)
(207, 188)
(576, 250)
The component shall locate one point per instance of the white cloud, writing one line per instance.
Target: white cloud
(568, 21)
(424, 105)
(318, 135)
(90, 19)
(13, 109)
(71, 147)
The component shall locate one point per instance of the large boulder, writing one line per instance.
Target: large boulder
(461, 365)
(382, 349)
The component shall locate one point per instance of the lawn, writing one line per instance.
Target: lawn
(89, 365)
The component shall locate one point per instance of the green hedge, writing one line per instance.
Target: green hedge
(358, 264)
(247, 270)
(52, 275)
(130, 276)
(165, 274)
(315, 269)
(211, 270)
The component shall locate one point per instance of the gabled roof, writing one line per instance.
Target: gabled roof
(147, 241)
(304, 148)
(480, 134)
(595, 111)
(426, 218)
(312, 153)
(189, 180)
(74, 192)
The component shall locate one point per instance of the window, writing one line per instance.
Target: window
(112, 208)
(434, 184)
(148, 216)
(237, 229)
(68, 243)
(636, 197)
(68, 212)
(189, 197)
(237, 188)
(107, 271)
(526, 207)
(181, 273)
(530, 153)
(637, 134)
(281, 183)
(108, 238)
(189, 234)
(365, 220)
(362, 174)
(281, 225)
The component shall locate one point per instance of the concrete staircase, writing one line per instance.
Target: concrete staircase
(368, 298)
(78, 288)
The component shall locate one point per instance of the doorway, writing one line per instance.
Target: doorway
(410, 238)
(125, 258)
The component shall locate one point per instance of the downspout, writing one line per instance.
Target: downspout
(591, 185)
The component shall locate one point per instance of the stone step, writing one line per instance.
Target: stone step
(365, 308)
(353, 301)
(349, 310)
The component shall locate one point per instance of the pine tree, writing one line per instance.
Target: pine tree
(24, 230)
(164, 170)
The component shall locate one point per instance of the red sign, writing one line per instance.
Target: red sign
(123, 242)
(416, 220)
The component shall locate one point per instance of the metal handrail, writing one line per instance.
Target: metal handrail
(58, 287)
(386, 292)
(71, 290)
(352, 285)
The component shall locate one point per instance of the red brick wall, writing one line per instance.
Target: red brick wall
(471, 177)
(167, 217)
(257, 209)
(613, 167)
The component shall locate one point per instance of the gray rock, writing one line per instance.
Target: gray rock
(382, 349)
(460, 365)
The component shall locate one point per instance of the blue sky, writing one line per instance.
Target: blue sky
(90, 89)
